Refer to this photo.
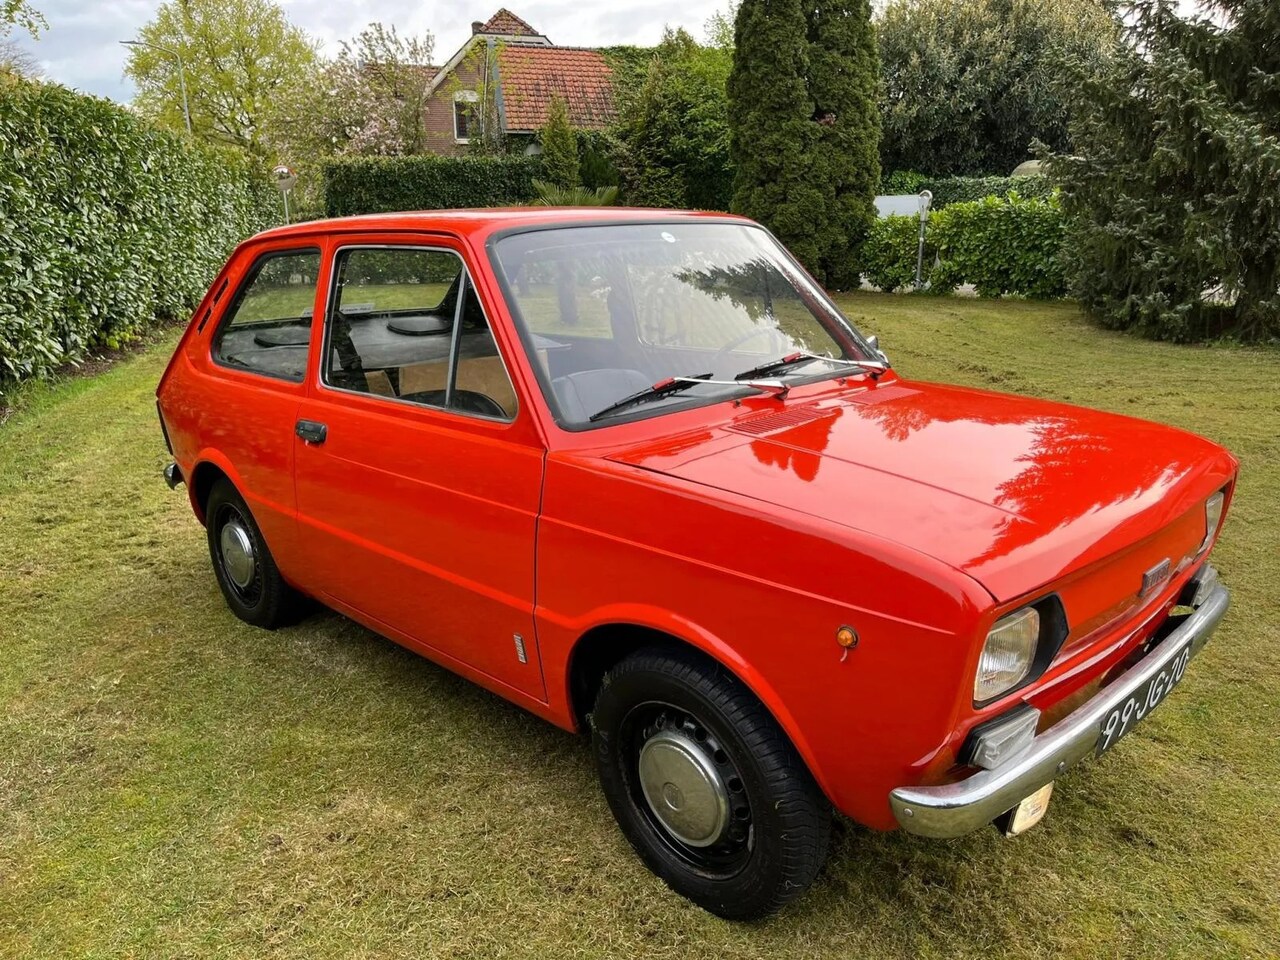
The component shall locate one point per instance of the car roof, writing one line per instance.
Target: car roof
(486, 221)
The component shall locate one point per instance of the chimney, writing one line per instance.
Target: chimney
(476, 27)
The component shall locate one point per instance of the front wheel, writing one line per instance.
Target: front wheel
(706, 786)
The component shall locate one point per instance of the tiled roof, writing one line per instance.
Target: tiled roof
(507, 24)
(531, 76)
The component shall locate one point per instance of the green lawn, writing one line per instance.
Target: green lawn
(174, 783)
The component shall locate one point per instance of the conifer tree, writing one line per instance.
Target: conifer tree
(844, 79)
(1173, 184)
(772, 130)
(560, 164)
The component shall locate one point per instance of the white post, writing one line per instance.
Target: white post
(926, 200)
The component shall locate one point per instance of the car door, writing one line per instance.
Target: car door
(418, 484)
(255, 359)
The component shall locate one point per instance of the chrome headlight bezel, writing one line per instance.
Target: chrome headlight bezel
(1031, 636)
(1214, 509)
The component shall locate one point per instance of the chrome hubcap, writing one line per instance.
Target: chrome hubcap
(683, 788)
(237, 553)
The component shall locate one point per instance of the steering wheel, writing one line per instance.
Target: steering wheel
(780, 343)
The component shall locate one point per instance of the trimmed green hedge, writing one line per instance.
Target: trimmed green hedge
(949, 190)
(1001, 246)
(389, 184)
(106, 223)
(889, 253)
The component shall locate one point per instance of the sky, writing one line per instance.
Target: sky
(81, 46)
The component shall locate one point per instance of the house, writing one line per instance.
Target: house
(507, 74)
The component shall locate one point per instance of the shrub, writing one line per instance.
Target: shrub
(949, 190)
(970, 85)
(673, 128)
(388, 184)
(106, 223)
(1000, 245)
(553, 195)
(560, 163)
(889, 255)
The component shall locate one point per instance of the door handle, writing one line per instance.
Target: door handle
(311, 431)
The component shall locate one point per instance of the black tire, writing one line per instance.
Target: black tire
(265, 600)
(746, 873)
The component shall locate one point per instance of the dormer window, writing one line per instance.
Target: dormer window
(464, 114)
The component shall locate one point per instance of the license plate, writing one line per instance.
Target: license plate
(1142, 701)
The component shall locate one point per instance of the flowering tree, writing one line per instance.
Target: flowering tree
(367, 101)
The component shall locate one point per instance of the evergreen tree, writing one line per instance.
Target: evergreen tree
(675, 130)
(1173, 185)
(970, 84)
(844, 79)
(772, 131)
(560, 165)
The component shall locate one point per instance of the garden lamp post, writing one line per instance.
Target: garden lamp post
(926, 202)
(182, 73)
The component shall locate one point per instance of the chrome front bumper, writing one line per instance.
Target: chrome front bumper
(954, 809)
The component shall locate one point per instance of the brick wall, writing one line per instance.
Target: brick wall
(438, 120)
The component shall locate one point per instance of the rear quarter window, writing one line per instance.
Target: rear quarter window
(267, 326)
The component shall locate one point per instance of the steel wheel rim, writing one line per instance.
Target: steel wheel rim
(710, 827)
(238, 555)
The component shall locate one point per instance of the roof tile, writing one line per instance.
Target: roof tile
(507, 24)
(532, 76)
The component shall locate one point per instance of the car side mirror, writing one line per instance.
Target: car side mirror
(874, 342)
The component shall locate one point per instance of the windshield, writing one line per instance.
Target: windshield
(608, 311)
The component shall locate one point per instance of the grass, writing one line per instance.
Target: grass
(174, 783)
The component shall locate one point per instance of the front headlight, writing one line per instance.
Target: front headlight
(1008, 654)
(1212, 518)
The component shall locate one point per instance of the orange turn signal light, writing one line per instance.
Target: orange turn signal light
(847, 637)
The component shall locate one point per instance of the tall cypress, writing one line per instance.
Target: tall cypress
(772, 132)
(844, 78)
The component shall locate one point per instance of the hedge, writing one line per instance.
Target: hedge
(1000, 245)
(106, 224)
(949, 190)
(388, 184)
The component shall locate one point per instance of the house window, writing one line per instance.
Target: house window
(464, 114)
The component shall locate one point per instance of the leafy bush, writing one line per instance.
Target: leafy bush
(388, 184)
(949, 190)
(1000, 245)
(554, 195)
(597, 150)
(673, 127)
(970, 85)
(106, 223)
(560, 163)
(889, 254)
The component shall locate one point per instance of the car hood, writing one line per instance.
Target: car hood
(1013, 491)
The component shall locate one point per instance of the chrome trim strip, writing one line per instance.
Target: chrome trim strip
(954, 809)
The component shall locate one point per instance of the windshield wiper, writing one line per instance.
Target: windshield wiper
(795, 359)
(663, 388)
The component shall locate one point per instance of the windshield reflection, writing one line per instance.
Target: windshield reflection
(610, 310)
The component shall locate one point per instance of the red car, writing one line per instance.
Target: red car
(635, 472)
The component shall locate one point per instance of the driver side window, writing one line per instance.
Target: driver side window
(405, 323)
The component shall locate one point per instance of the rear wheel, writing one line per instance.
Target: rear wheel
(246, 571)
(705, 784)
